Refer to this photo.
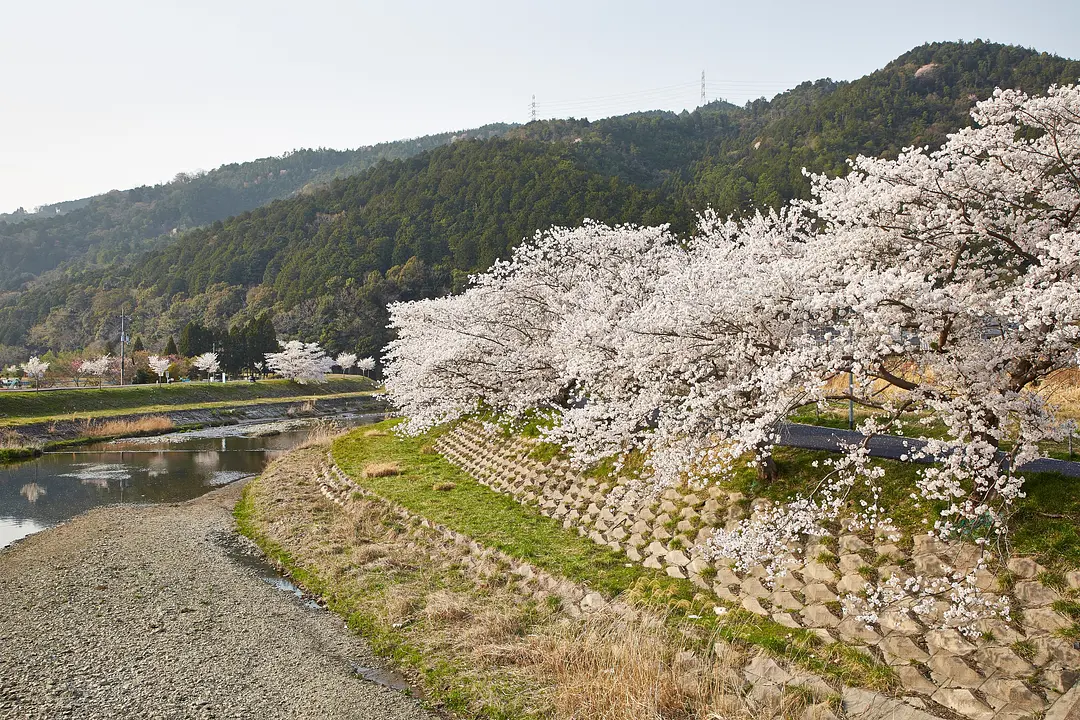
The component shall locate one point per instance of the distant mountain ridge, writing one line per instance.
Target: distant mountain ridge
(324, 263)
(113, 226)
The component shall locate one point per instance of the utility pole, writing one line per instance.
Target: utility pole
(123, 341)
(702, 87)
(532, 110)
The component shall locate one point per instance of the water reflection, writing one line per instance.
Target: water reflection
(31, 491)
(55, 487)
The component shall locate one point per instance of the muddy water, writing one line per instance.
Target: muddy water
(55, 487)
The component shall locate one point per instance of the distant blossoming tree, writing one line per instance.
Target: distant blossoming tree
(99, 368)
(345, 361)
(365, 365)
(160, 365)
(300, 362)
(207, 362)
(35, 369)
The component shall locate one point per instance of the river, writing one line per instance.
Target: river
(57, 486)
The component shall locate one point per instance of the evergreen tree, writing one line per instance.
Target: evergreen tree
(170, 347)
(138, 345)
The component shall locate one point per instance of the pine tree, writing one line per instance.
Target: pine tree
(170, 347)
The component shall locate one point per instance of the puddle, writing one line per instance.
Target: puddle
(243, 552)
(240, 551)
(386, 678)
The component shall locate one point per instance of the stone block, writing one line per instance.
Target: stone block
(1073, 579)
(632, 553)
(852, 544)
(785, 601)
(964, 702)
(764, 669)
(914, 681)
(787, 581)
(818, 593)
(751, 604)
(1032, 593)
(951, 671)
(1067, 706)
(853, 630)
(653, 562)
(656, 548)
(752, 587)
(675, 572)
(698, 566)
(819, 616)
(678, 558)
(947, 641)
(785, 619)
(898, 621)
(815, 571)
(850, 563)
(1002, 692)
(1025, 567)
(851, 584)
(903, 649)
(1003, 660)
(890, 551)
(1046, 619)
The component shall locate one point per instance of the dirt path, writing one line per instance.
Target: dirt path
(140, 613)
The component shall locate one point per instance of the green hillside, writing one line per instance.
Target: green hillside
(107, 228)
(323, 264)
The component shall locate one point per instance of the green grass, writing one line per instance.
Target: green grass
(1045, 525)
(500, 522)
(23, 407)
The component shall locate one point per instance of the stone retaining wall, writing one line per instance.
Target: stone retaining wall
(1014, 670)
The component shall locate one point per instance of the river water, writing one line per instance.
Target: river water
(55, 487)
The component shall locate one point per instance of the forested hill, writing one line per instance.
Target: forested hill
(100, 230)
(323, 264)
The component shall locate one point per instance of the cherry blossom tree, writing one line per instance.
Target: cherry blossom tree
(365, 365)
(300, 362)
(99, 367)
(207, 362)
(345, 361)
(946, 282)
(160, 365)
(35, 368)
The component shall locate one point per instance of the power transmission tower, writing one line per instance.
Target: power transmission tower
(532, 110)
(702, 87)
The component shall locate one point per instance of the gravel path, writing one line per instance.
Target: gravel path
(140, 613)
(814, 437)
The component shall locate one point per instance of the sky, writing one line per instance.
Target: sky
(116, 94)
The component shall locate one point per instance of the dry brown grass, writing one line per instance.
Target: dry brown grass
(516, 656)
(376, 433)
(321, 433)
(137, 426)
(11, 440)
(443, 486)
(381, 469)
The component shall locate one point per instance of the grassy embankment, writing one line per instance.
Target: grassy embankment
(500, 522)
(476, 644)
(414, 630)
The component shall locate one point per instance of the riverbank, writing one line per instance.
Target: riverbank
(27, 436)
(141, 612)
(22, 408)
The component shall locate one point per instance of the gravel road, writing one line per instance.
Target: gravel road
(139, 612)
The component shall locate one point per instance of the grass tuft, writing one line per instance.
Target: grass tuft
(381, 469)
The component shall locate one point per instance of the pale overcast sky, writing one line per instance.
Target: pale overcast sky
(118, 93)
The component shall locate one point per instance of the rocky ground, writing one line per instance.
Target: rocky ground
(142, 613)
